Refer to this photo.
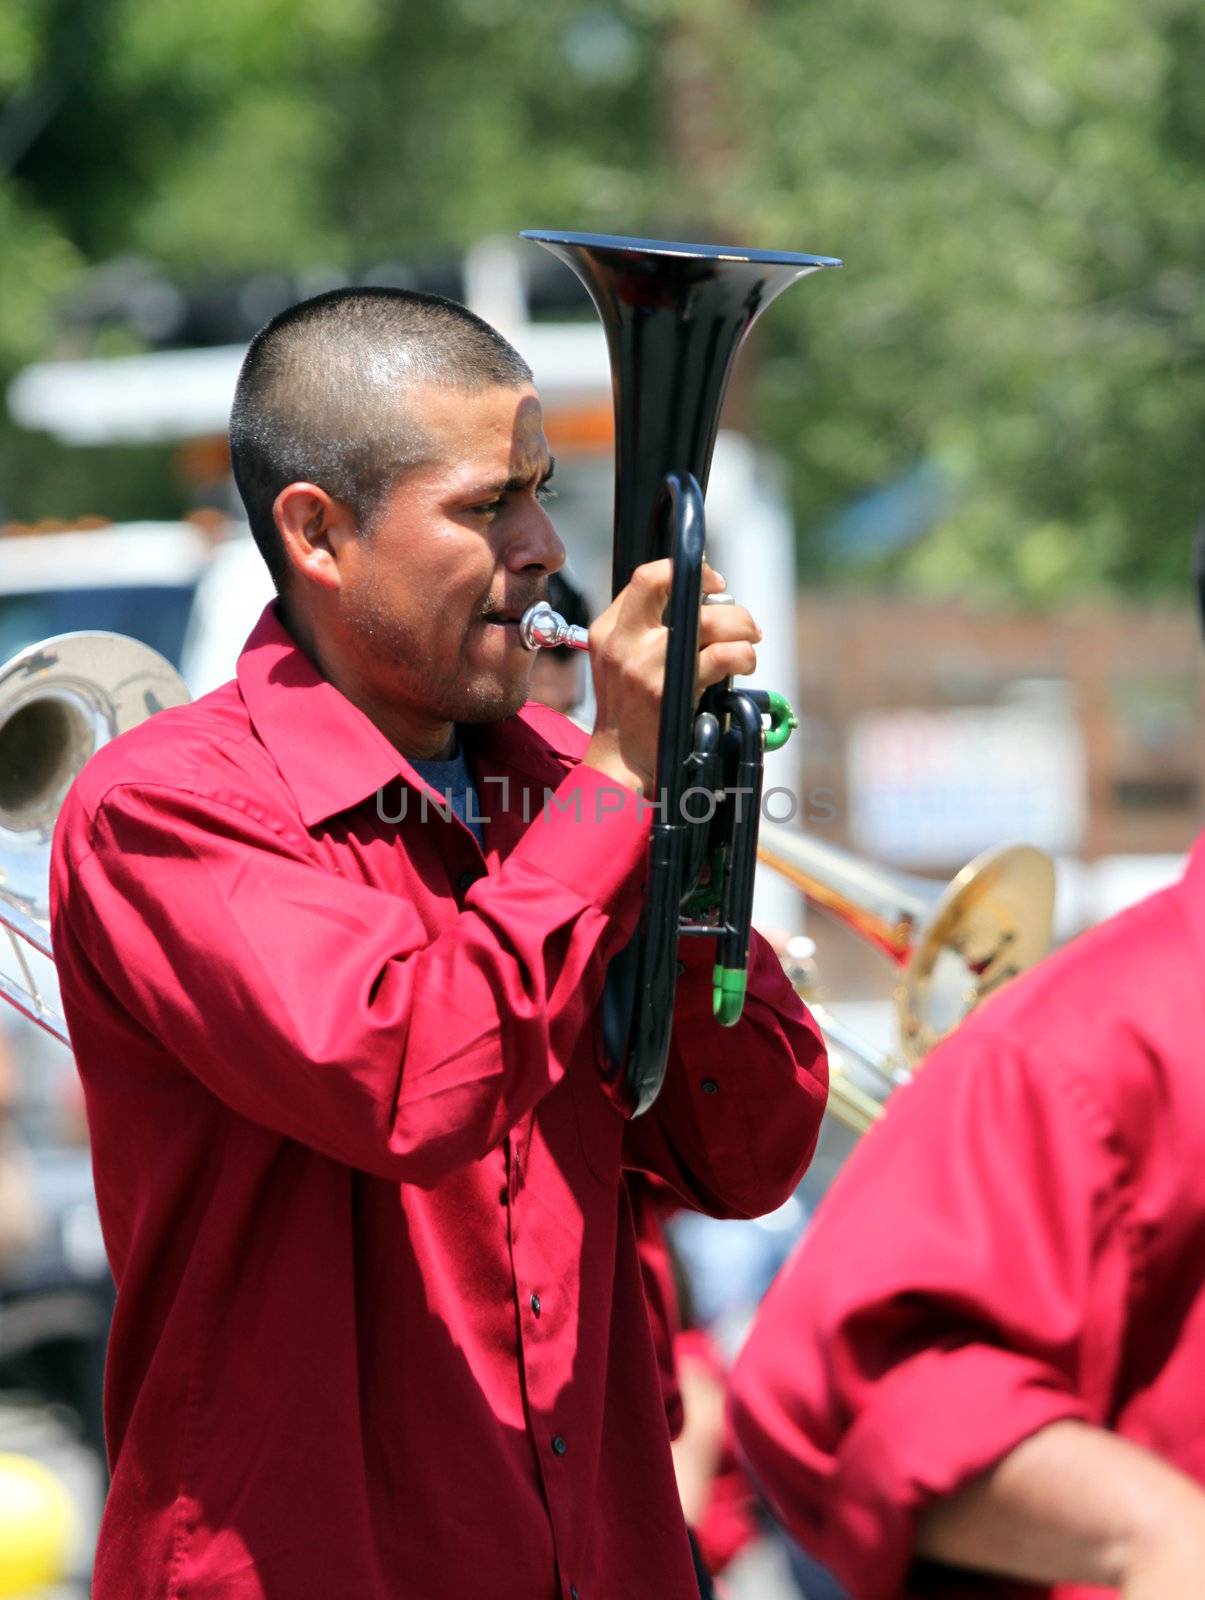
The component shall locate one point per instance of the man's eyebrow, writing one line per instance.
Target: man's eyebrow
(512, 484)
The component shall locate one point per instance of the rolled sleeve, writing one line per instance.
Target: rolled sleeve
(963, 1286)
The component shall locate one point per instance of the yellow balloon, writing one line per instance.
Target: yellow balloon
(36, 1526)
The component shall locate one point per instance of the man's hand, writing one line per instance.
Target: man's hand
(627, 660)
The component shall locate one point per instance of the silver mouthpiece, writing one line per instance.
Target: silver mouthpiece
(542, 628)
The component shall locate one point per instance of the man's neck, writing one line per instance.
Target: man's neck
(416, 738)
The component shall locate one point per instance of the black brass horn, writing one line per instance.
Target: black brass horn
(675, 317)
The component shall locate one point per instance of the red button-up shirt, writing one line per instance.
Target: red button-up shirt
(379, 1328)
(1021, 1240)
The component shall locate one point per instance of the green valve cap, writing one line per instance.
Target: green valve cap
(783, 721)
(728, 994)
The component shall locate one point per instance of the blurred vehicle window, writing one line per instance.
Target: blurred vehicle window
(157, 615)
(134, 578)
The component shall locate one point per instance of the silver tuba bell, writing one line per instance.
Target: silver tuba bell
(60, 700)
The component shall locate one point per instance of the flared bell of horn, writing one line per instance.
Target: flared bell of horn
(675, 317)
(957, 943)
(60, 700)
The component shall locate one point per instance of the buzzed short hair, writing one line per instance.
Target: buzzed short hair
(322, 391)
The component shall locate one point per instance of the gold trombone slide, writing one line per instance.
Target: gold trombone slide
(954, 944)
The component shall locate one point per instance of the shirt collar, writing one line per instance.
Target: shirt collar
(331, 755)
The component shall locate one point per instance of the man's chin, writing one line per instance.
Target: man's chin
(491, 701)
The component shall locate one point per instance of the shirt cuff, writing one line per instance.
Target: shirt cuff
(934, 1423)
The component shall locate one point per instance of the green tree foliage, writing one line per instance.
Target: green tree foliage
(502, 117)
(1018, 191)
(1019, 194)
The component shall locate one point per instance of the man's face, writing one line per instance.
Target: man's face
(432, 593)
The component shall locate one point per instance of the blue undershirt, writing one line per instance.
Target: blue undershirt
(453, 783)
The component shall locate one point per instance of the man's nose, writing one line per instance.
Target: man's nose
(536, 545)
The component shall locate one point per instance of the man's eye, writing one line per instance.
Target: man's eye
(488, 507)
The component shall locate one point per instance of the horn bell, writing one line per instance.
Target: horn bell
(675, 317)
(956, 943)
(60, 700)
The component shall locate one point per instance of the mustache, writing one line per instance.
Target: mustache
(515, 603)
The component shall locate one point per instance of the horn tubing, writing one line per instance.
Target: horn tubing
(680, 505)
(675, 317)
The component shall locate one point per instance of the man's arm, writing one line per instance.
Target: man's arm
(1076, 1504)
(325, 1008)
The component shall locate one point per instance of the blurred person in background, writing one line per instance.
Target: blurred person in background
(717, 1498)
(982, 1372)
(380, 1327)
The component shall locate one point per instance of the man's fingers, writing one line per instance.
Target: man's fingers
(650, 586)
(718, 624)
(643, 601)
(719, 661)
(648, 593)
(629, 638)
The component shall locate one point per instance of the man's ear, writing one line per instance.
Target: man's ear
(314, 531)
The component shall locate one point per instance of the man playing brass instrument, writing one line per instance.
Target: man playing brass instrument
(332, 944)
(982, 1372)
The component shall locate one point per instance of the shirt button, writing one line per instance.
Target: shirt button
(709, 1086)
(573, 1594)
(535, 1304)
(558, 1445)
